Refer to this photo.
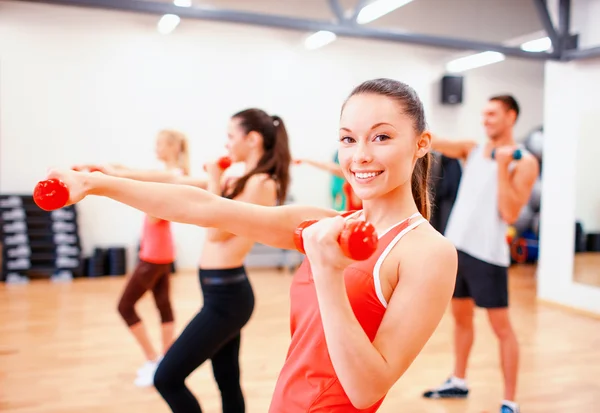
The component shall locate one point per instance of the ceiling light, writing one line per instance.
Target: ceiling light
(168, 23)
(474, 61)
(183, 3)
(319, 39)
(379, 8)
(539, 45)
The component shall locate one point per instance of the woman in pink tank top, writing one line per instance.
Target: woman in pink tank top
(259, 142)
(356, 326)
(156, 256)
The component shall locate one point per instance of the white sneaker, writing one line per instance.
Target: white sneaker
(149, 365)
(146, 366)
(145, 377)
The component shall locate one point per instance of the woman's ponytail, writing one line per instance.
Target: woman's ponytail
(282, 158)
(276, 159)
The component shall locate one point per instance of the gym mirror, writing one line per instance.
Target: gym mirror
(586, 263)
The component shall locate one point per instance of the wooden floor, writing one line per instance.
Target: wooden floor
(586, 268)
(63, 349)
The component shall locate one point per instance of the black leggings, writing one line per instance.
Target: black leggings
(214, 333)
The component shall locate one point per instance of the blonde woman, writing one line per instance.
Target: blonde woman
(157, 253)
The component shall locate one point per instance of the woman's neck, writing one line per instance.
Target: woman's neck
(252, 161)
(391, 208)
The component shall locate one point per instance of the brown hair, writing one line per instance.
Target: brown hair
(183, 156)
(412, 106)
(276, 158)
(509, 102)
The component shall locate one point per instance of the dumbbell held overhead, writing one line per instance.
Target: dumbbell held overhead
(358, 240)
(517, 154)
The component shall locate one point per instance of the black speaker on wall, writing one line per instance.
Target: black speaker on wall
(452, 90)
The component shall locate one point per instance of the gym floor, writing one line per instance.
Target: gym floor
(64, 349)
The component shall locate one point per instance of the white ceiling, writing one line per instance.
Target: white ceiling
(483, 20)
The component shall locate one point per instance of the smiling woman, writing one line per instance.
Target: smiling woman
(386, 102)
(356, 326)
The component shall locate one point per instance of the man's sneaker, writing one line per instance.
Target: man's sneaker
(508, 407)
(451, 389)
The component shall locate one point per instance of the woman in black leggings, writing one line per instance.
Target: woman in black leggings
(260, 141)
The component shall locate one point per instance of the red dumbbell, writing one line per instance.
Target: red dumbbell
(224, 162)
(358, 240)
(50, 194)
(298, 241)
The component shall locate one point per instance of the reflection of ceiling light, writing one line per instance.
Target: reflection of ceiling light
(539, 45)
(377, 9)
(183, 3)
(168, 23)
(319, 39)
(474, 61)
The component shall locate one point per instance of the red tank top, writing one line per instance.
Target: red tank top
(308, 382)
(157, 245)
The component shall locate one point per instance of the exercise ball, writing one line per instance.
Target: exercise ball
(535, 200)
(535, 142)
(525, 220)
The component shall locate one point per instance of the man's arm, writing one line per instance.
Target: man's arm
(514, 187)
(457, 149)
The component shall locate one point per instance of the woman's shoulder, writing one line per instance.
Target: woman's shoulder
(430, 241)
(426, 247)
(259, 188)
(262, 180)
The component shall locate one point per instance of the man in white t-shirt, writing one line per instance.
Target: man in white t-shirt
(496, 183)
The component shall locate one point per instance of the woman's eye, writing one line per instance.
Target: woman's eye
(346, 139)
(382, 137)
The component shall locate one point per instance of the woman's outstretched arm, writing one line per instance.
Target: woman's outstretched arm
(269, 225)
(146, 175)
(331, 167)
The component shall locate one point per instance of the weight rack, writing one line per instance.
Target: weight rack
(37, 243)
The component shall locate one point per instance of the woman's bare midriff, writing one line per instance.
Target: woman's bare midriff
(225, 254)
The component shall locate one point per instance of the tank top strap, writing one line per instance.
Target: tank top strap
(396, 232)
(350, 214)
(400, 225)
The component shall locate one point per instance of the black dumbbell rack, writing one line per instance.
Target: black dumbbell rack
(38, 243)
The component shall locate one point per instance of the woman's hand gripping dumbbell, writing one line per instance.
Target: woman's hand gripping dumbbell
(358, 239)
(223, 162)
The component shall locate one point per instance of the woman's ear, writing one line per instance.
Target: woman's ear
(423, 144)
(254, 138)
